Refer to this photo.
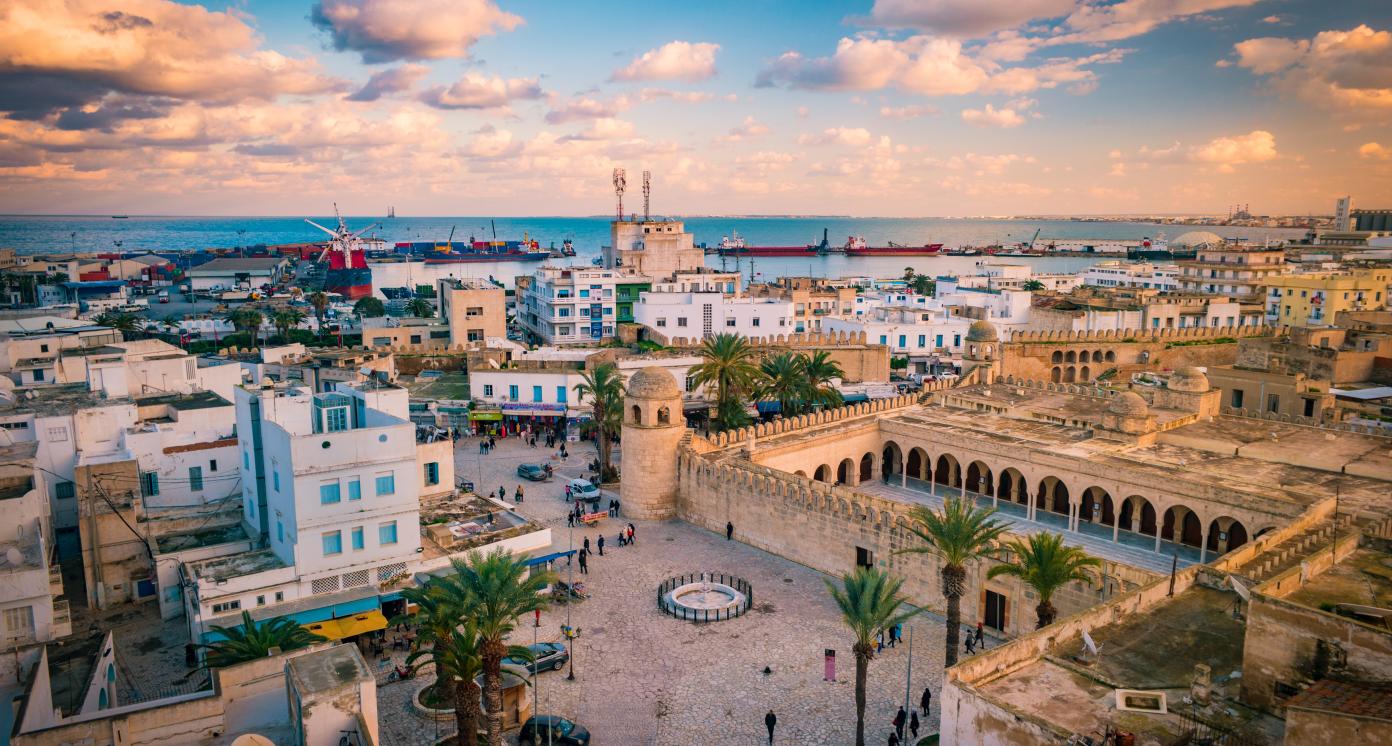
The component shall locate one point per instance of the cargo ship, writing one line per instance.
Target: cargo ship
(737, 247)
(458, 252)
(855, 246)
(346, 256)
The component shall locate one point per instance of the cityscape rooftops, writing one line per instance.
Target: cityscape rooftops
(228, 265)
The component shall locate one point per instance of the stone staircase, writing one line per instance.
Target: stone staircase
(1292, 551)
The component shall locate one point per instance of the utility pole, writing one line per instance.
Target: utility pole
(908, 673)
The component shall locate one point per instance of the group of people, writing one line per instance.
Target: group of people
(487, 444)
(901, 721)
(889, 637)
(516, 496)
(975, 639)
(625, 537)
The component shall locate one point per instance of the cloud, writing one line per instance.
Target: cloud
(111, 111)
(675, 60)
(392, 80)
(387, 30)
(1374, 151)
(1101, 22)
(605, 129)
(584, 107)
(691, 97)
(913, 111)
(749, 128)
(1347, 70)
(852, 136)
(475, 91)
(1223, 153)
(992, 117)
(925, 65)
(967, 18)
(55, 56)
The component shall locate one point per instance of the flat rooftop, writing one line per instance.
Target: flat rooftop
(1363, 578)
(54, 399)
(242, 563)
(205, 538)
(226, 265)
(329, 670)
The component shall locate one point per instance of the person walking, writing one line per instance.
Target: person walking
(981, 635)
(729, 530)
(900, 718)
(587, 543)
(570, 520)
(567, 493)
(893, 739)
(518, 494)
(770, 720)
(600, 544)
(879, 641)
(502, 492)
(926, 701)
(584, 566)
(913, 725)
(971, 644)
(630, 533)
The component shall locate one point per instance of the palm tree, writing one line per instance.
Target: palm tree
(247, 320)
(785, 380)
(728, 364)
(870, 602)
(370, 307)
(125, 323)
(252, 641)
(1032, 285)
(1045, 565)
(420, 308)
(287, 319)
(923, 285)
(960, 532)
(908, 274)
(499, 589)
(821, 370)
(605, 387)
(319, 301)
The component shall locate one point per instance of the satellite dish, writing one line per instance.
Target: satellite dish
(1088, 643)
(252, 739)
(1240, 588)
(14, 557)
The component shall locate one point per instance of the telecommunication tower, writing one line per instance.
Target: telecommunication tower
(647, 191)
(619, 184)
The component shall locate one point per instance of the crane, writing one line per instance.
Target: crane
(341, 238)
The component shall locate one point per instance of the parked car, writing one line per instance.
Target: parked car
(563, 732)
(533, 472)
(550, 656)
(582, 489)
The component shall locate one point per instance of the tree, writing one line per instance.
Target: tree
(125, 323)
(1045, 564)
(785, 381)
(727, 363)
(923, 285)
(420, 308)
(498, 588)
(285, 320)
(251, 641)
(319, 301)
(821, 370)
(869, 602)
(960, 532)
(908, 274)
(1032, 285)
(605, 387)
(247, 320)
(370, 307)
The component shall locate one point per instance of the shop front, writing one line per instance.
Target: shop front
(485, 422)
(538, 418)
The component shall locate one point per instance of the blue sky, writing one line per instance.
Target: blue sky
(892, 107)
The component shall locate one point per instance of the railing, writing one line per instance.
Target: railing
(665, 605)
(1195, 731)
(55, 580)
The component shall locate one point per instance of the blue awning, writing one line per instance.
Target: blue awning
(855, 398)
(768, 407)
(393, 596)
(534, 561)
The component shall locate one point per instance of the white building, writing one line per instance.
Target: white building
(567, 305)
(236, 273)
(992, 275)
(701, 315)
(1006, 309)
(30, 582)
(931, 338)
(1116, 274)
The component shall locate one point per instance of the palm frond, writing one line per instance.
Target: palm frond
(959, 531)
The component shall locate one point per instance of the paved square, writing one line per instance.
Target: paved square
(646, 678)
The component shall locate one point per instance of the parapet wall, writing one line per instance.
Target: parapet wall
(809, 339)
(1342, 427)
(1143, 335)
(801, 422)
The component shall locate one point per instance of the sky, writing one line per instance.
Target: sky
(518, 107)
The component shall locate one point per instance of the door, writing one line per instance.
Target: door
(995, 611)
(864, 557)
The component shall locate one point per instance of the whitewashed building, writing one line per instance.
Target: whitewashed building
(931, 338)
(566, 305)
(1115, 274)
(701, 315)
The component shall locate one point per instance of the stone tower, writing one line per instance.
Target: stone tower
(653, 426)
(979, 357)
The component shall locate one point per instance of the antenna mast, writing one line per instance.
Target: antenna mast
(647, 191)
(619, 184)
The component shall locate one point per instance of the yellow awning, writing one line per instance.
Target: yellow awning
(337, 629)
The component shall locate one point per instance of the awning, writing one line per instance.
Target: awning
(534, 561)
(337, 629)
(485, 416)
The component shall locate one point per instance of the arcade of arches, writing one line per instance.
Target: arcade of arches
(1077, 366)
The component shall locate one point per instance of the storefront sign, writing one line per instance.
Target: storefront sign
(495, 416)
(521, 407)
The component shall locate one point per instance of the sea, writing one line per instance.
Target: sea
(32, 234)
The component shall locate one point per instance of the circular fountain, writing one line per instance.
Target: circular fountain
(705, 597)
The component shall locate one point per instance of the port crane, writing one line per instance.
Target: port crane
(340, 238)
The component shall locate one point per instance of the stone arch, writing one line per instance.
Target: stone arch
(1011, 486)
(1057, 357)
(1070, 374)
(664, 416)
(1225, 534)
(801, 473)
(1085, 373)
(947, 471)
(1096, 506)
(1070, 357)
(891, 459)
(1110, 356)
(1056, 375)
(979, 478)
(917, 464)
(867, 467)
(845, 471)
(1138, 515)
(1052, 495)
(1182, 526)
(823, 473)
(637, 415)
(1096, 356)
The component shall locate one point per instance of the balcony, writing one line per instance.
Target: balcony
(55, 580)
(62, 619)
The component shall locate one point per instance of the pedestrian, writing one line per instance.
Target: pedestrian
(913, 725)
(502, 492)
(899, 719)
(898, 632)
(587, 543)
(600, 544)
(570, 520)
(630, 533)
(879, 641)
(519, 494)
(584, 566)
(971, 645)
(770, 720)
(981, 635)
(893, 739)
(729, 530)
(482, 445)
(492, 442)
(926, 701)
(567, 493)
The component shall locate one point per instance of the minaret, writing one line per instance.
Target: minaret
(653, 426)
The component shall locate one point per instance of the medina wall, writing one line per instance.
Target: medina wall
(1037, 355)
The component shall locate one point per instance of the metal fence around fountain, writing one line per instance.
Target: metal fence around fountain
(705, 615)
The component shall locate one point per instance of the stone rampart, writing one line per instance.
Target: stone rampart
(741, 435)
(1142, 335)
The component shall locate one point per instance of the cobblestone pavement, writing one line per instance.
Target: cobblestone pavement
(643, 677)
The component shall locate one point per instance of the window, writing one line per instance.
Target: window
(275, 477)
(1273, 403)
(227, 606)
(939, 344)
(386, 484)
(57, 433)
(681, 321)
(536, 393)
(561, 394)
(754, 321)
(149, 483)
(884, 339)
(354, 489)
(415, 339)
(729, 322)
(661, 321)
(386, 533)
(280, 596)
(333, 542)
(19, 623)
(64, 490)
(432, 473)
(358, 538)
(212, 464)
(488, 389)
(512, 393)
(43, 348)
(280, 532)
(195, 479)
(260, 600)
(329, 493)
(335, 419)
(923, 340)
(38, 374)
(903, 340)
